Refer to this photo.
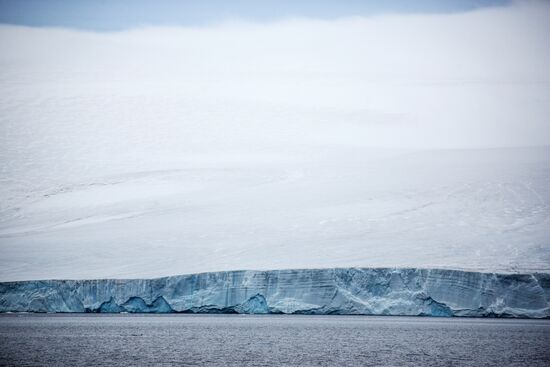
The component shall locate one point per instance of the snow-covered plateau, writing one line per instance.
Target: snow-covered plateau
(394, 141)
(370, 291)
(482, 210)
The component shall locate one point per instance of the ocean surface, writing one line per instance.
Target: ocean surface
(267, 340)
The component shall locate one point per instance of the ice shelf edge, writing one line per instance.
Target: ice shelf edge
(345, 291)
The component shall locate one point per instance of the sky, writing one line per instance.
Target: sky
(145, 142)
(124, 14)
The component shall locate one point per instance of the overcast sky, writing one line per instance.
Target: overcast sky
(123, 14)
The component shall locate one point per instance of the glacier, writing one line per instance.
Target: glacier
(168, 153)
(350, 291)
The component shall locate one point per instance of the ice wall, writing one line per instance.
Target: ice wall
(372, 291)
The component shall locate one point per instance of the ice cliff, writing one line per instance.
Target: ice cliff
(370, 291)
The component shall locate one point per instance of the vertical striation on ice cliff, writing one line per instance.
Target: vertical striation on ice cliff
(357, 291)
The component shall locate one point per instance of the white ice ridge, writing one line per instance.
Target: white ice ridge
(363, 291)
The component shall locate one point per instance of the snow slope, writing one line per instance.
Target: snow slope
(474, 209)
(298, 144)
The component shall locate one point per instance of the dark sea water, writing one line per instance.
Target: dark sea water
(287, 340)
